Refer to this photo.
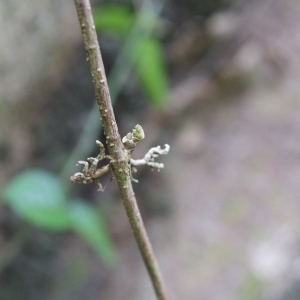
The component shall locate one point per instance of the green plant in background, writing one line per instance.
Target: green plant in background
(42, 198)
(146, 51)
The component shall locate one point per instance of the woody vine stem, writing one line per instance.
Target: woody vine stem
(119, 150)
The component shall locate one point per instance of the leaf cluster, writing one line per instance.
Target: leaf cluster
(39, 197)
(146, 52)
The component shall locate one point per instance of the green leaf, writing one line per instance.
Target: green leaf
(88, 222)
(151, 70)
(38, 197)
(113, 19)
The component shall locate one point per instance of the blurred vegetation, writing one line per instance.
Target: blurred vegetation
(145, 46)
(40, 197)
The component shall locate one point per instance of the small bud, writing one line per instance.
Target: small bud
(138, 132)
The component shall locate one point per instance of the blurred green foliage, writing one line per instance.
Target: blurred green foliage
(114, 19)
(146, 52)
(150, 68)
(89, 223)
(39, 197)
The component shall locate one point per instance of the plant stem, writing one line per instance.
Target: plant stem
(116, 78)
(119, 162)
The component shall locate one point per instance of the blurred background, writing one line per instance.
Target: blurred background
(218, 81)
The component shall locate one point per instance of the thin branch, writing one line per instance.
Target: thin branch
(119, 158)
(117, 78)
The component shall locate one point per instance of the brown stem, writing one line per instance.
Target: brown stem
(119, 160)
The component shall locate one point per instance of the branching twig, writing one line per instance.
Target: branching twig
(117, 78)
(149, 158)
(118, 157)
